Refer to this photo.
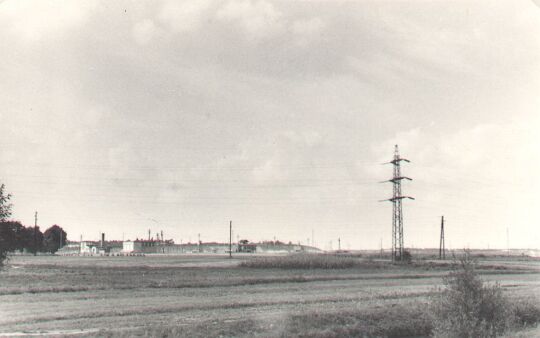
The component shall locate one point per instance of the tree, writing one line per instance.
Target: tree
(32, 239)
(11, 236)
(54, 238)
(5, 206)
(5, 213)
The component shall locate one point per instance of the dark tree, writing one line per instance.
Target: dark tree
(5, 213)
(11, 236)
(54, 238)
(32, 239)
(5, 206)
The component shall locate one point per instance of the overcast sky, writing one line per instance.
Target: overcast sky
(179, 116)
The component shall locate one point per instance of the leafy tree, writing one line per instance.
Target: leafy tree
(54, 238)
(11, 236)
(5, 206)
(32, 239)
(5, 213)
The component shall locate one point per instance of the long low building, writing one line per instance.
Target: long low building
(168, 247)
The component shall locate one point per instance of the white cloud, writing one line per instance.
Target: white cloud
(307, 30)
(184, 16)
(259, 19)
(35, 20)
(308, 26)
(143, 31)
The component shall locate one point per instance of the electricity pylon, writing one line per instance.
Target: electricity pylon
(397, 212)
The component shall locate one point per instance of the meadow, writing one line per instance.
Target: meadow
(202, 296)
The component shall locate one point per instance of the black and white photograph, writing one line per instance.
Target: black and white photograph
(270, 168)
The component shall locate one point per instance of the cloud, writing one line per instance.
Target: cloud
(143, 31)
(184, 16)
(307, 29)
(39, 19)
(259, 19)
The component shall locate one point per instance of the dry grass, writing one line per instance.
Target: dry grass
(309, 261)
(391, 321)
(170, 296)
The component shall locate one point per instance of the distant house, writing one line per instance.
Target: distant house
(245, 246)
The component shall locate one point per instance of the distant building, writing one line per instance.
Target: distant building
(140, 246)
(70, 249)
(245, 246)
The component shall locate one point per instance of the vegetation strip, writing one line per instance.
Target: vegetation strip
(175, 309)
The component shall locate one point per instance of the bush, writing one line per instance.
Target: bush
(3, 258)
(527, 313)
(468, 307)
(407, 257)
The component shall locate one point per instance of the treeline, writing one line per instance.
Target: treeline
(16, 237)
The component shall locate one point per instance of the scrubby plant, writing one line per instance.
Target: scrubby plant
(527, 312)
(469, 307)
(407, 256)
(3, 258)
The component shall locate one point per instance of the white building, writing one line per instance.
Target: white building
(139, 246)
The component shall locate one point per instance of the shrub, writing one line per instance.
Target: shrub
(468, 307)
(527, 313)
(3, 258)
(407, 257)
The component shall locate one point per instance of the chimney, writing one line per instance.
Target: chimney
(102, 239)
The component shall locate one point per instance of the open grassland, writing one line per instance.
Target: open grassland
(201, 296)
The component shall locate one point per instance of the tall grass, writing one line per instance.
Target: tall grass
(302, 261)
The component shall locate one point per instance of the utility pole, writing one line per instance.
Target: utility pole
(442, 253)
(507, 243)
(397, 212)
(230, 239)
(35, 234)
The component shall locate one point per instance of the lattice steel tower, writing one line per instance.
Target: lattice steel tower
(397, 212)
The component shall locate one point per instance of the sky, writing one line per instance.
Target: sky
(124, 116)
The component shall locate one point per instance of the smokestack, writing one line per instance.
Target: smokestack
(102, 239)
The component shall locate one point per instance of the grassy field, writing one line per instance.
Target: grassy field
(200, 296)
